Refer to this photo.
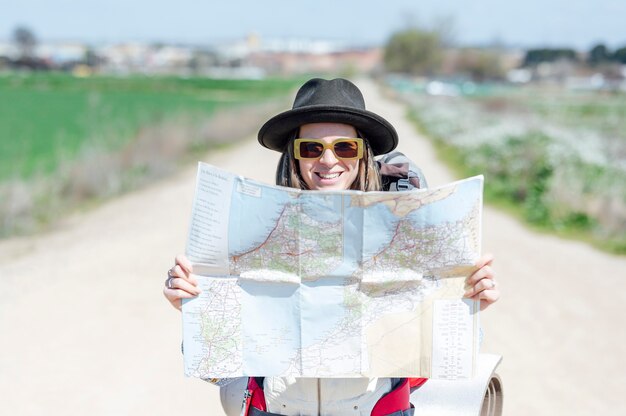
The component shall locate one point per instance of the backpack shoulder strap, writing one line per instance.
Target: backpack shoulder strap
(399, 173)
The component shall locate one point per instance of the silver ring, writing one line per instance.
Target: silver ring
(168, 282)
(169, 272)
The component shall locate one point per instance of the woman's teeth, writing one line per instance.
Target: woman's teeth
(328, 175)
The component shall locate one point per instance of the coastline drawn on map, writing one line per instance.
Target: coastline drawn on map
(331, 283)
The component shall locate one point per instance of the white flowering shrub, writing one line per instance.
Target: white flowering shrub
(557, 158)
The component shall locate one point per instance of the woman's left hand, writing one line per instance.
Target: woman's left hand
(481, 285)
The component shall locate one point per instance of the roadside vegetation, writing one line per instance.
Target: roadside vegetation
(66, 141)
(547, 128)
(555, 158)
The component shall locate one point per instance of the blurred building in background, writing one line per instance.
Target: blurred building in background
(254, 57)
(248, 58)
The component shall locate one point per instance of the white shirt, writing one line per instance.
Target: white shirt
(291, 396)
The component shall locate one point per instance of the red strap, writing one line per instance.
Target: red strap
(395, 401)
(258, 397)
(416, 382)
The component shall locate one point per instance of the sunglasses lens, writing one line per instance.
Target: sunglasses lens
(310, 150)
(347, 149)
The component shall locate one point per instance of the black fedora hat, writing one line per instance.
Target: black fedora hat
(324, 101)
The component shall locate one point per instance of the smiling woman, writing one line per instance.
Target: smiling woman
(327, 141)
(329, 111)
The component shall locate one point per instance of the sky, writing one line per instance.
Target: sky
(528, 23)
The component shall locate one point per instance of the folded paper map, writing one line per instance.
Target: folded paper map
(331, 283)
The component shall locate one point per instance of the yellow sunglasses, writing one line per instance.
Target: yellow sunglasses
(343, 149)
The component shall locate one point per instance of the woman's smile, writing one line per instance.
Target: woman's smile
(328, 175)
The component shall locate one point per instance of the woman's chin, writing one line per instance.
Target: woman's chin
(335, 184)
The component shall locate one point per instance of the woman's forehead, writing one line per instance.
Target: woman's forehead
(319, 130)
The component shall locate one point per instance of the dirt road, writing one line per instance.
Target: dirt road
(84, 328)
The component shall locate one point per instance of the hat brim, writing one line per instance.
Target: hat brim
(379, 133)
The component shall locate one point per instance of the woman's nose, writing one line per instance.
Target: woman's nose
(328, 157)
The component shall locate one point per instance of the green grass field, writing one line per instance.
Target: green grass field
(46, 118)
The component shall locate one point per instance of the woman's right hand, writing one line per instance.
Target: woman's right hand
(180, 283)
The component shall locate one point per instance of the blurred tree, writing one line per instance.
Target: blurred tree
(536, 56)
(480, 65)
(414, 51)
(620, 55)
(599, 54)
(25, 40)
(91, 58)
